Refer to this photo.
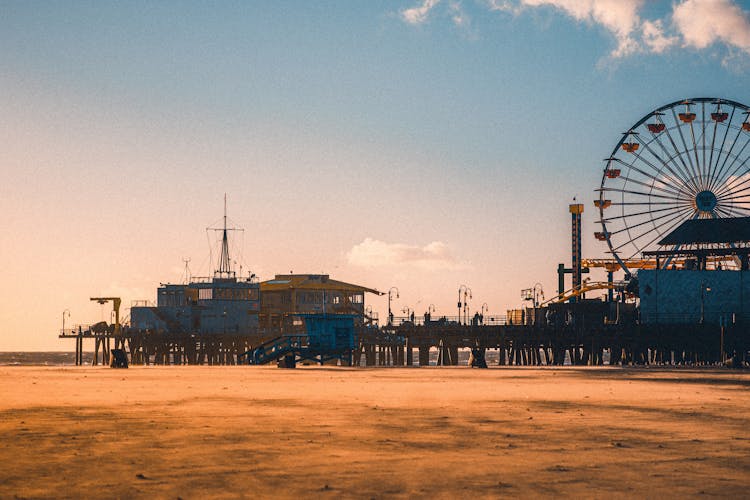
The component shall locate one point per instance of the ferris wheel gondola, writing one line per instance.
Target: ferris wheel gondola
(686, 160)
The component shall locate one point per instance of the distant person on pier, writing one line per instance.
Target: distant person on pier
(475, 320)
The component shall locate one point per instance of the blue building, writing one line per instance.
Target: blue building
(222, 304)
(702, 274)
(210, 306)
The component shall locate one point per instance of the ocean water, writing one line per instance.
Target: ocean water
(53, 358)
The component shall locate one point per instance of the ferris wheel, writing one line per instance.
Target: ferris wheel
(686, 160)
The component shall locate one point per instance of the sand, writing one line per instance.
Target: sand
(228, 432)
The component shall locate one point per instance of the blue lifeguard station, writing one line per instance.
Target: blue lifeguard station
(326, 337)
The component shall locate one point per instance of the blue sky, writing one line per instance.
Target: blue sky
(387, 146)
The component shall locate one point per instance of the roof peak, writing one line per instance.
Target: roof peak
(321, 277)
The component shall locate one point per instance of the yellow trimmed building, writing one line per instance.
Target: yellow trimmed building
(288, 295)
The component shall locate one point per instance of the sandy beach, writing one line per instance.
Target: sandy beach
(227, 432)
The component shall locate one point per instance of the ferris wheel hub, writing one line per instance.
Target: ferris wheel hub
(705, 201)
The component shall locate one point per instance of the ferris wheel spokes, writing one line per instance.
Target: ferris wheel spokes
(741, 165)
(677, 179)
(637, 214)
(679, 215)
(674, 223)
(693, 170)
(639, 193)
(713, 139)
(689, 176)
(724, 169)
(649, 221)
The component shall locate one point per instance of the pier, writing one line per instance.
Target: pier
(407, 343)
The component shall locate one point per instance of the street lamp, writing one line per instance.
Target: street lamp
(467, 294)
(428, 313)
(533, 294)
(460, 289)
(66, 311)
(485, 309)
(408, 313)
(538, 291)
(390, 314)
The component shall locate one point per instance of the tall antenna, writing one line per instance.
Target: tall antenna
(186, 277)
(225, 263)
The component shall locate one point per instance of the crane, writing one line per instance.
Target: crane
(116, 301)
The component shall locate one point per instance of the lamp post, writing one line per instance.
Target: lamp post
(66, 311)
(390, 314)
(464, 289)
(467, 295)
(408, 313)
(533, 295)
(485, 309)
(538, 292)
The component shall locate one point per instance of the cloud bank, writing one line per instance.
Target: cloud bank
(375, 253)
(691, 24)
(619, 17)
(702, 23)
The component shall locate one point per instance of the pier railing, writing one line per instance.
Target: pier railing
(75, 330)
(486, 320)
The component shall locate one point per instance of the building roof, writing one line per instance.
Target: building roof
(311, 282)
(694, 231)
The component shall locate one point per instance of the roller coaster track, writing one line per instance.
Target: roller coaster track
(585, 287)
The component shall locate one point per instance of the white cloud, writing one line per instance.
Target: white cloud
(504, 5)
(458, 16)
(619, 17)
(654, 37)
(702, 23)
(376, 253)
(696, 24)
(418, 15)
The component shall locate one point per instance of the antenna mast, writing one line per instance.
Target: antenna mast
(225, 263)
(186, 277)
